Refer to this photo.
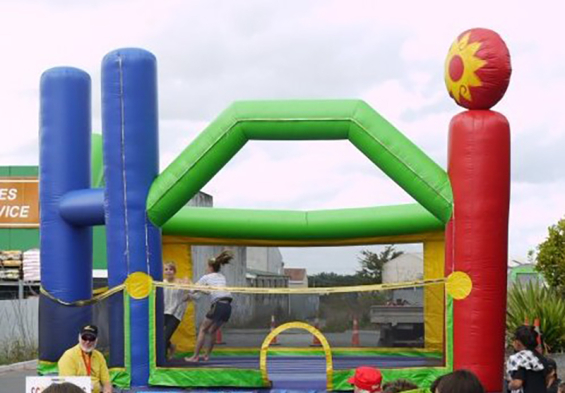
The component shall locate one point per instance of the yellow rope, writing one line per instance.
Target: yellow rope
(254, 290)
(85, 302)
(315, 290)
(98, 291)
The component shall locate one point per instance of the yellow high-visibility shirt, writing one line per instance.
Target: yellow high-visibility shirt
(72, 364)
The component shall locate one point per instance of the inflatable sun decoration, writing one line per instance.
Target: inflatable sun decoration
(477, 69)
(462, 67)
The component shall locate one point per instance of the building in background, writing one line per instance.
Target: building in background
(19, 243)
(265, 268)
(235, 272)
(520, 272)
(304, 307)
(297, 277)
(19, 231)
(404, 268)
(265, 259)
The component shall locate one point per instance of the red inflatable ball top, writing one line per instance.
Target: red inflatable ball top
(477, 69)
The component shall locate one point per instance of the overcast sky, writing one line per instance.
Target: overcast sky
(390, 54)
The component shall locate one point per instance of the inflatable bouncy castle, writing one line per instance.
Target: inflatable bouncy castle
(461, 218)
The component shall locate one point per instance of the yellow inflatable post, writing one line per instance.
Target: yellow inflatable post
(185, 337)
(434, 257)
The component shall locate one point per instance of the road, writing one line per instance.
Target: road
(296, 338)
(14, 381)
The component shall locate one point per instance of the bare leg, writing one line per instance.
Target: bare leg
(204, 328)
(212, 332)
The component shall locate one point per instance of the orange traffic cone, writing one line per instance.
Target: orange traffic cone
(273, 326)
(219, 338)
(315, 341)
(355, 333)
(538, 331)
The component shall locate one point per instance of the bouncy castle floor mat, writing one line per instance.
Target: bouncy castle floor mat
(293, 374)
(301, 364)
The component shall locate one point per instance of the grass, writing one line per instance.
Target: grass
(17, 351)
(19, 343)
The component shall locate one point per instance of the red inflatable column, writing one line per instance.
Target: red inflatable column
(477, 74)
(479, 169)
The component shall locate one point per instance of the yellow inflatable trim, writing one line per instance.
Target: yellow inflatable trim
(139, 285)
(296, 325)
(459, 285)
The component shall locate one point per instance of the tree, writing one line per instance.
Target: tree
(372, 264)
(551, 257)
(333, 280)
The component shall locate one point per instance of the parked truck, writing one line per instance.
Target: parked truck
(399, 326)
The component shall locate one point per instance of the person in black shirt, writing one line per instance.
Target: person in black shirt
(527, 368)
(552, 381)
(434, 385)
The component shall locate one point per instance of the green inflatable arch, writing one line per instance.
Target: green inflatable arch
(353, 120)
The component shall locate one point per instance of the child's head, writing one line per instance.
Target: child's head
(398, 386)
(525, 337)
(366, 380)
(561, 388)
(435, 383)
(170, 270)
(460, 381)
(215, 264)
(65, 387)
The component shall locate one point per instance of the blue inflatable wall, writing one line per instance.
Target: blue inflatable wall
(69, 207)
(66, 249)
(131, 163)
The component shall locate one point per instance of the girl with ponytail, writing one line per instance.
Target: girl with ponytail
(527, 368)
(220, 310)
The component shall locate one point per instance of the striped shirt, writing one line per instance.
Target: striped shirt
(215, 280)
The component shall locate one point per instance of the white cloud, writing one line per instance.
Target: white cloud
(533, 209)
(211, 53)
(287, 175)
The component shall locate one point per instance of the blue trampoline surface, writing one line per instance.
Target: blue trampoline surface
(293, 374)
(307, 364)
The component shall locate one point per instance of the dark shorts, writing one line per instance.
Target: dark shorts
(171, 324)
(220, 311)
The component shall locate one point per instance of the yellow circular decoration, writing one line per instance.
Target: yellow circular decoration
(296, 325)
(139, 285)
(459, 285)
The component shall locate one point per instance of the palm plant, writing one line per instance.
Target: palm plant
(534, 301)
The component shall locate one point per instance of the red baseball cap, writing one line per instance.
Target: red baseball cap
(367, 378)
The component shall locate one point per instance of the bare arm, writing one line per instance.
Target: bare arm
(189, 294)
(106, 387)
(515, 384)
(105, 376)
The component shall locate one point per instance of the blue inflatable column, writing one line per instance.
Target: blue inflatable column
(66, 250)
(131, 163)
